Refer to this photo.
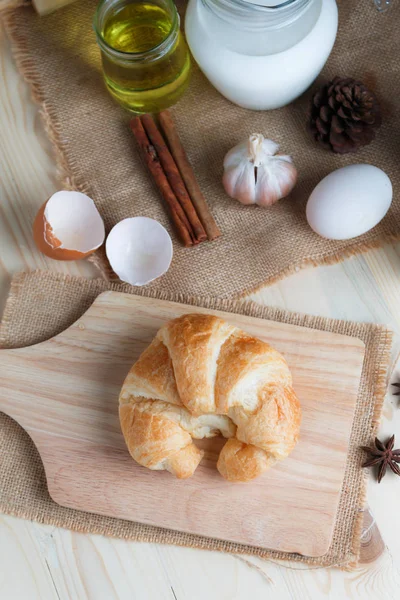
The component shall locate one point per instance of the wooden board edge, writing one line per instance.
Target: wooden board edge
(103, 296)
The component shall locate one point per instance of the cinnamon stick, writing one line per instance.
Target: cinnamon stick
(151, 159)
(188, 176)
(174, 177)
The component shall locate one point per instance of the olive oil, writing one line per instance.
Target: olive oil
(137, 27)
(146, 62)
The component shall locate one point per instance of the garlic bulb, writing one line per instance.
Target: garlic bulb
(254, 174)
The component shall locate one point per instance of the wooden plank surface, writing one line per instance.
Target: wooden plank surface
(76, 377)
(45, 563)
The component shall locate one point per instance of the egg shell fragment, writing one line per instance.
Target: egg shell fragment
(349, 202)
(68, 226)
(139, 250)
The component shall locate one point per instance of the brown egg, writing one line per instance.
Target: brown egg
(68, 226)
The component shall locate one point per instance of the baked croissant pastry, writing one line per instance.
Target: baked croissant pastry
(201, 377)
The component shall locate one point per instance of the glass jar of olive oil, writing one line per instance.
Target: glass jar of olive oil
(146, 62)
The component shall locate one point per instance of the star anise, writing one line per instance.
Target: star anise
(398, 386)
(384, 456)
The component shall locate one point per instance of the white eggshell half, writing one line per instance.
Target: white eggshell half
(75, 221)
(139, 250)
(349, 202)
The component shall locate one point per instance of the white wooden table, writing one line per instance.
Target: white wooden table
(40, 562)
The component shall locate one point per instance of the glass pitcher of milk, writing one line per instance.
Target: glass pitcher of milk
(261, 54)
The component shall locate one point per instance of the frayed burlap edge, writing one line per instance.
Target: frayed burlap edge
(158, 535)
(322, 261)
(68, 171)
(378, 393)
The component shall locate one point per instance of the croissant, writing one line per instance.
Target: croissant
(201, 377)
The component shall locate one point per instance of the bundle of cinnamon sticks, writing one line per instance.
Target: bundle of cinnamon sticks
(170, 168)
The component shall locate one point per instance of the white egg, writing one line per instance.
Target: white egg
(349, 202)
(139, 250)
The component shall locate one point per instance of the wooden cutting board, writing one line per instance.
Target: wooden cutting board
(64, 393)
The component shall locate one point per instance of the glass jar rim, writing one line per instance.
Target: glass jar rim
(152, 53)
(264, 7)
(258, 15)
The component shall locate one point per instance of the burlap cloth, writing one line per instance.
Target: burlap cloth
(97, 153)
(42, 304)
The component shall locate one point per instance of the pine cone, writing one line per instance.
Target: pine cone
(344, 115)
